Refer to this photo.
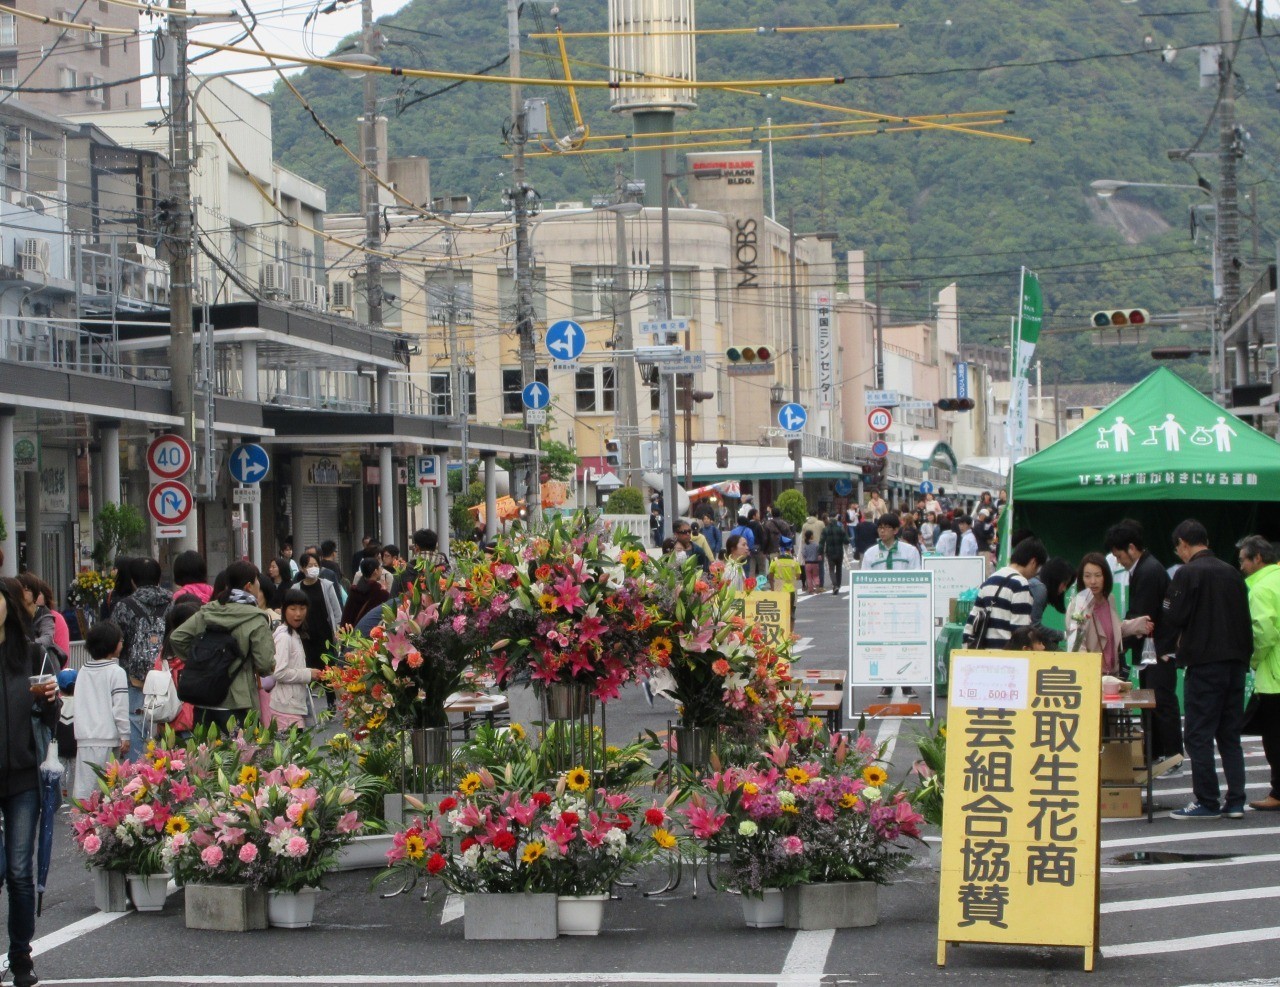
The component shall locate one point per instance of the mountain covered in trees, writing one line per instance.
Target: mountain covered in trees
(1104, 88)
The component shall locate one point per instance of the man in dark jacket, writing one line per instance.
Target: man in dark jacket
(140, 616)
(1207, 627)
(833, 542)
(1148, 586)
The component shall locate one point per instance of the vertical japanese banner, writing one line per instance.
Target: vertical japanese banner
(824, 360)
(1020, 821)
(1026, 333)
(770, 610)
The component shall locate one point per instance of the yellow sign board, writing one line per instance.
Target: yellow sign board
(1020, 821)
(769, 609)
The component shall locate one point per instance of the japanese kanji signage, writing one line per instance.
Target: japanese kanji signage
(1020, 824)
(769, 610)
(824, 359)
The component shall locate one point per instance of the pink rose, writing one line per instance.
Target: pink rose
(296, 846)
(212, 856)
(248, 853)
(91, 844)
(791, 845)
(143, 813)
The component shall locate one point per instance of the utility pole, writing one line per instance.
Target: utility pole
(459, 385)
(519, 195)
(624, 347)
(879, 335)
(1228, 197)
(667, 396)
(371, 44)
(797, 444)
(181, 332)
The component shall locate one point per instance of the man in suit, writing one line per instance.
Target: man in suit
(1148, 584)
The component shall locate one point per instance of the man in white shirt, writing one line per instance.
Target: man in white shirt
(889, 553)
(968, 541)
(947, 542)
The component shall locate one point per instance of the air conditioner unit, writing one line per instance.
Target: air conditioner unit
(318, 295)
(340, 294)
(271, 277)
(39, 204)
(34, 255)
(298, 289)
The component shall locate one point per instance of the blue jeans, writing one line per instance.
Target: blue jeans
(137, 724)
(17, 868)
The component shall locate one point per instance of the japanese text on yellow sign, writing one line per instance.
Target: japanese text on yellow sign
(769, 610)
(1020, 822)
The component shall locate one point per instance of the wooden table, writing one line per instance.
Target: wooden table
(828, 703)
(477, 705)
(1120, 726)
(808, 677)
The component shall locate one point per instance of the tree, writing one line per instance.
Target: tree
(119, 526)
(460, 517)
(625, 500)
(559, 462)
(792, 506)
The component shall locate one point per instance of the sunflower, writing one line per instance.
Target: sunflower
(533, 851)
(517, 731)
(661, 646)
(631, 559)
(414, 847)
(664, 838)
(848, 800)
(798, 776)
(790, 809)
(942, 731)
(578, 779)
(547, 602)
(176, 824)
(874, 775)
(248, 775)
(750, 788)
(376, 721)
(469, 785)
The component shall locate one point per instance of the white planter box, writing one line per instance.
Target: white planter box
(365, 852)
(765, 912)
(110, 890)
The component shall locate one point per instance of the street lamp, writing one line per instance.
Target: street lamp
(1105, 188)
(797, 472)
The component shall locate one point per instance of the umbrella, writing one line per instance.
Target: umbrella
(50, 803)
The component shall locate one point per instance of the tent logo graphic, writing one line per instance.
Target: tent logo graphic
(1169, 432)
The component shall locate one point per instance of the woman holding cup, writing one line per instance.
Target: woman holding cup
(23, 690)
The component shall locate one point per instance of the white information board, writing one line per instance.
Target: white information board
(952, 575)
(891, 635)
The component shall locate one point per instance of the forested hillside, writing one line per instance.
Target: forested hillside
(1086, 79)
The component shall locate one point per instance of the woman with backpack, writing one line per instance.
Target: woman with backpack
(227, 639)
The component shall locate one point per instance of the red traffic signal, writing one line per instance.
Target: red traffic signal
(956, 404)
(749, 354)
(1120, 317)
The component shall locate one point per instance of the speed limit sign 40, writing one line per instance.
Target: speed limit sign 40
(168, 456)
(879, 420)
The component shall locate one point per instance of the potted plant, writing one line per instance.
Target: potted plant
(86, 594)
(122, 828)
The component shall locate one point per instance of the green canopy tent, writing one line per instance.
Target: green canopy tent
(1161, 453)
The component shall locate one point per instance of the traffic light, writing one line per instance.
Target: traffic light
(793, 449)
(722, 457)
(612, 454)
(1120, 318)
(955, 404)
(872, 471)
(738, 355)
(684, 395)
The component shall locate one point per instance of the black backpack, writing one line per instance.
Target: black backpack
(206, 676)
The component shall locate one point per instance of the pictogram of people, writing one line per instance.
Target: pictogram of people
(1172, 431)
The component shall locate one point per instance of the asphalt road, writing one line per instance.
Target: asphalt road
(1188, 921)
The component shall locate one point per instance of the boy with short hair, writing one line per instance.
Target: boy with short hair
(102, 706)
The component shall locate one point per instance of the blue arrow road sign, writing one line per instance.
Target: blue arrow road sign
(249, 463)
(792, 417)
(926, 487)
(536, 396)
(565, 340)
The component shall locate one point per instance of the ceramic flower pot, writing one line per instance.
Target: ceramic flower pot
(580, 915)
(509, 916)
(149, 893)
(291, 909)
(764, 912)
(225, 907)
(110, 890)
(568, 701)
(837, 905)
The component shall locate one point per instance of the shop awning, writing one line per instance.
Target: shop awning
(762, 463)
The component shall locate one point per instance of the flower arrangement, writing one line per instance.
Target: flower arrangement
(270, 812)
(567, 605)
(90, 589)
(931, 770)
(506, 752)
(139, 804)
(792, 819)
(406, 670)
(568, 838)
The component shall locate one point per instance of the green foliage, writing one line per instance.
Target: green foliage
(792, 505)
(1086, 81)
(625, 500)
(559, 462)
(459, 513)
(119, 527)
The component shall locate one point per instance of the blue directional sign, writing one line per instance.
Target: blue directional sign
(844, 488)
(249, 463)
(536, 396)
(792, 417)
(926, 486)
(565, 341)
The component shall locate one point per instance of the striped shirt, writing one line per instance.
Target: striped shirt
(1006, 595)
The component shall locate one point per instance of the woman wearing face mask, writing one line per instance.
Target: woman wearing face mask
(324, 612)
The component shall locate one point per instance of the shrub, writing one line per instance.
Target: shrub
(792, 506)
(625, 500)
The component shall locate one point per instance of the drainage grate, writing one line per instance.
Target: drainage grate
(1147, 857)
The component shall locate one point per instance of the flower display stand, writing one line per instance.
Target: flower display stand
(149, 892)
(110, 890)
(291, 909)
(694, 745)
(510, 916)
(364, 852)
(765, 912)
(580, 915)
(838, 905)
(225, 907)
